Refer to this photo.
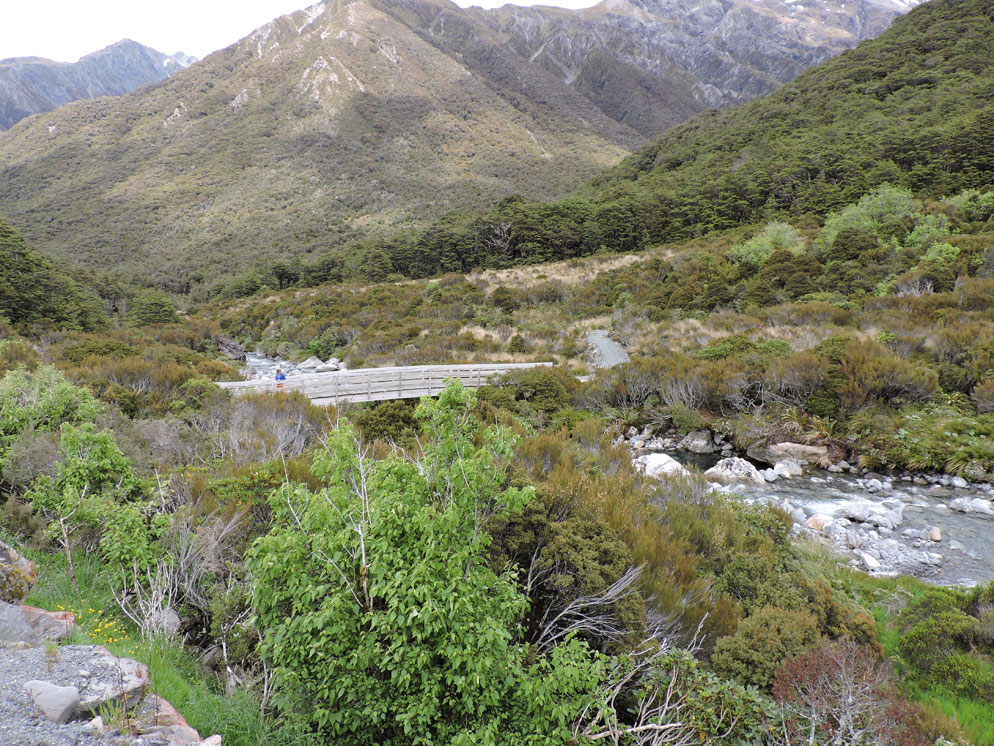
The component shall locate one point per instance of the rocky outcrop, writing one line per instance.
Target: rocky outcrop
(55, 695)
(771, 453)
(260, 367)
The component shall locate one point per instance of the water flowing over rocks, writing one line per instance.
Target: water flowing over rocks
(259, 367)
(931, 526)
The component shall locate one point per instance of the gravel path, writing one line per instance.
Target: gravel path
(20, 724)
(606, 352)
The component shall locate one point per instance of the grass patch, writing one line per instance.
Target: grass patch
(975, 718)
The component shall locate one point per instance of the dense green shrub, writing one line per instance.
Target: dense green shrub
(762, 643)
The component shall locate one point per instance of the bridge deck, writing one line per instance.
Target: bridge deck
(378, 384)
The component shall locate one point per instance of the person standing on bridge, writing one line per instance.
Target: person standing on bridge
(280, 378)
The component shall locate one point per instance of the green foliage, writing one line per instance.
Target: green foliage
(516, 345)
(96, 489)
(399, 632)
(775, 236)
(40, 401)
(948, 640)
(762, 643)
(878, 212)
(152, 307)
(391, 420)
(33, 290)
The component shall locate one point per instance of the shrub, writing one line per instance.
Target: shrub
(42, 400)
(686, 419)
(841, 693)
(516, 345)
(983, 396)
(965, 675)
(936, 638)
(794, 379)
(17, 353)
(762, 643)
(390, 420)
(850, 244)
(873, 213)
(152, 307)
(216, 370)
(772, 237)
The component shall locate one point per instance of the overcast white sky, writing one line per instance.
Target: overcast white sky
(65, 30)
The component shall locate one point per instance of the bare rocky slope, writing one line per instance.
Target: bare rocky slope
(32, 85)
(355, 118)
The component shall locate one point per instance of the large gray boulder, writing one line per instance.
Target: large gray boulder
(14, 627)
(699, 441)
(660, 465)
(119, 682)
(58, 703)
(734, 470)
(774, 452)
(972, 505)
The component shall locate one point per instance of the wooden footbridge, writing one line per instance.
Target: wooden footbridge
(379, 384)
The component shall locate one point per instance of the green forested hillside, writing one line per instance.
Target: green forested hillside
(913, 108)
(33, 289)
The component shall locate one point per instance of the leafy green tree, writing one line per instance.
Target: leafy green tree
(379, 607)
(96, 488)
(41, 400)
(152, 307)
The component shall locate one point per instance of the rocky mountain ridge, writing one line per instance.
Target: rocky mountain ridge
(33, 85)
(351, 119)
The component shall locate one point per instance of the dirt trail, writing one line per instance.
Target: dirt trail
(606, 352)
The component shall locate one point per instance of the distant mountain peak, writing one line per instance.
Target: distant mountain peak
(34, 85)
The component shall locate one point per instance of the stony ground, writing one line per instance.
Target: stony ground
(20, 722)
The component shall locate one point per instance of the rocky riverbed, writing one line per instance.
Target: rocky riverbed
(259, 367)
(934, 527)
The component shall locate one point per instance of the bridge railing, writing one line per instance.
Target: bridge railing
(378, 384)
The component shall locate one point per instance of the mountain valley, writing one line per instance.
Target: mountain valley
(353, 119)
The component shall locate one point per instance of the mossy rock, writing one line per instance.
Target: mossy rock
(14, 584)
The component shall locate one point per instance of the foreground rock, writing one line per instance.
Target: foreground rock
(660, 465)
(54, 697)
(57, 703)
(734, 470)
(14, 628)
(784, 451)
(49, 625)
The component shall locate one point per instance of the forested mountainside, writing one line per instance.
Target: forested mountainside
(33, 85)
(909, 109)
(355, 119)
